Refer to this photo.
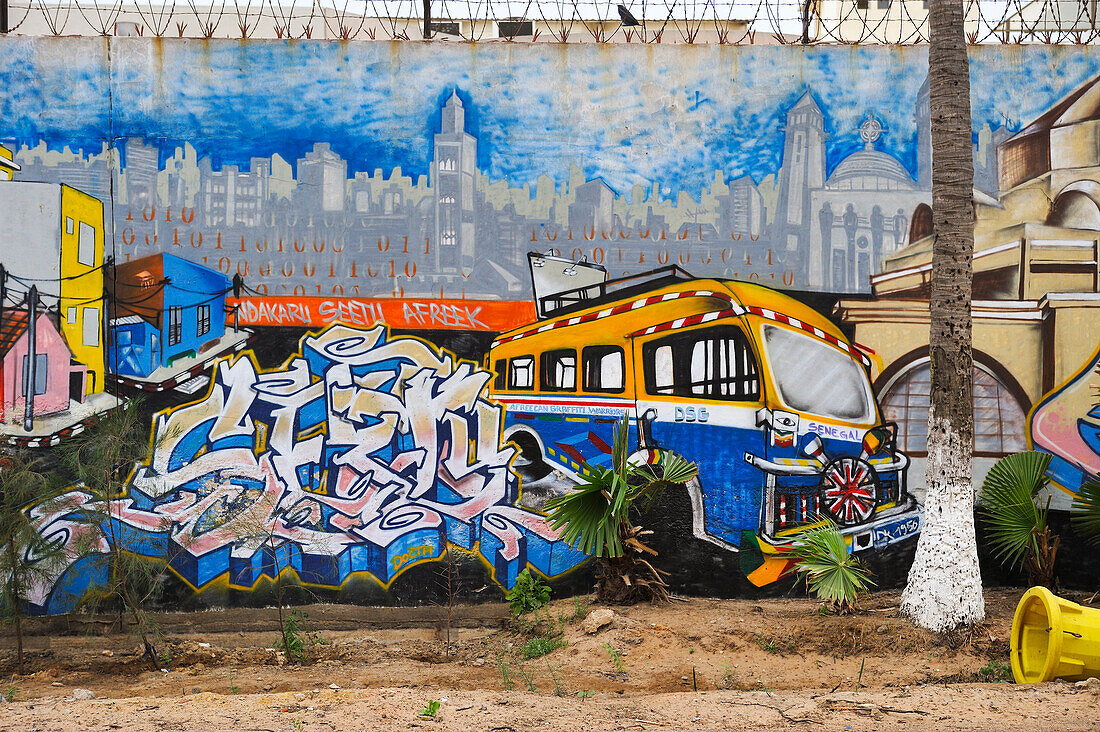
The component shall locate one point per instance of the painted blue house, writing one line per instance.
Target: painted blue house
(163, 310)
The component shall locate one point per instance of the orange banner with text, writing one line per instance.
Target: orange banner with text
(403, 313)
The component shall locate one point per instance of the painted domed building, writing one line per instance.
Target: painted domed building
(843, 224)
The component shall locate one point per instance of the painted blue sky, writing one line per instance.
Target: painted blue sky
(633, 115)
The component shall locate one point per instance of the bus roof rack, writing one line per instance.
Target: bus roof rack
(562, 303)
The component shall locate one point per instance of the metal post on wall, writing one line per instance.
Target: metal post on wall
(4, 16)
(427, 18)
(806, 5)
(108, 334)
(29, 365)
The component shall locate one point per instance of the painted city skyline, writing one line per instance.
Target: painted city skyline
(482, 228)
(803, 177)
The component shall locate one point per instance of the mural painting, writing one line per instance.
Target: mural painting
(766, 396)
(363, 454)
(1036, 304)
(416, 321)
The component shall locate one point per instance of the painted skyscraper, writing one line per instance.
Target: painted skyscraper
(454, 172)
(803, 170)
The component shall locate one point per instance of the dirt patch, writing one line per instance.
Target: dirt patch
(778, 648)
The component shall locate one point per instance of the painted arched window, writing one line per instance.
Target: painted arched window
(1075, 210)
(999, 420)
(921, 224)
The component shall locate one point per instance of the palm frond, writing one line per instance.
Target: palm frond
(589, 515)
(831, 572)
(620, 447)
(1086, 510)
(1008, 505)
(650, 481)
(595, 516)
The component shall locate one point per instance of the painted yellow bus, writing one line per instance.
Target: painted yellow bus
(766, 395)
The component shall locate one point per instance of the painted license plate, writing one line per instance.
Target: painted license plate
(895, 531)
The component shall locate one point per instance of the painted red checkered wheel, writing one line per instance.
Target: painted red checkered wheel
(851, 491)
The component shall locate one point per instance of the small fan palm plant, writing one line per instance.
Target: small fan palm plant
(1086, 513)
(831, 572)
(1086, 510)
(596, 518)
(1017, 519)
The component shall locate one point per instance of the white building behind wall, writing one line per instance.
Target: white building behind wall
(547, 21)
(987, 21)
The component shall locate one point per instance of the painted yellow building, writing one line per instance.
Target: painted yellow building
(8, 166)
(1036, 302)
(81, 282)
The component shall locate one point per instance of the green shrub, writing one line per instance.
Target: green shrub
(995, 670)
(540, 645)
(528, 595)
(297, 637)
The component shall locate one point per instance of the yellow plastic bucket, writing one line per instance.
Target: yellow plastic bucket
(1054, 638)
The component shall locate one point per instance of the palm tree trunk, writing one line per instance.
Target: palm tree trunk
(945, 589)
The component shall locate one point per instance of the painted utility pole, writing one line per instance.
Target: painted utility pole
(29, 375)
(945, 585)
(3, 298)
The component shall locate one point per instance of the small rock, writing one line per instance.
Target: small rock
(83, 694)
(479, 661)
(199, 667)
(334, 687)
(683, 678)
(204, 645)
(598, 619)
(1091, 684)
(196, 690)
(107, 653)
(882, 629)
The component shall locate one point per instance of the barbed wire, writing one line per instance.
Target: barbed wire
(901, 22)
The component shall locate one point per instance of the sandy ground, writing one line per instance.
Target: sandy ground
(693, 664)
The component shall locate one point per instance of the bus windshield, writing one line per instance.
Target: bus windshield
(814, 377)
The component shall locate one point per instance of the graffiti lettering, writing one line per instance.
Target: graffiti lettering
(838, 433)
(425, 551)
(362, 455)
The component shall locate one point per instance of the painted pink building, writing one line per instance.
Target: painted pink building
(57, 378)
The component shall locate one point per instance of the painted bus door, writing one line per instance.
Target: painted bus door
(699, 391)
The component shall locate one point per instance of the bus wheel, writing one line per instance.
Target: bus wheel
(530, 463)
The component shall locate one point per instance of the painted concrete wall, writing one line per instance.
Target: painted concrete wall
(337, 186)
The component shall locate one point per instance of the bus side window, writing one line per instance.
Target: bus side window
(662, 370)
(500, 368)
(604, 368)
(521, 373)
(559, 370)
(715, 363)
